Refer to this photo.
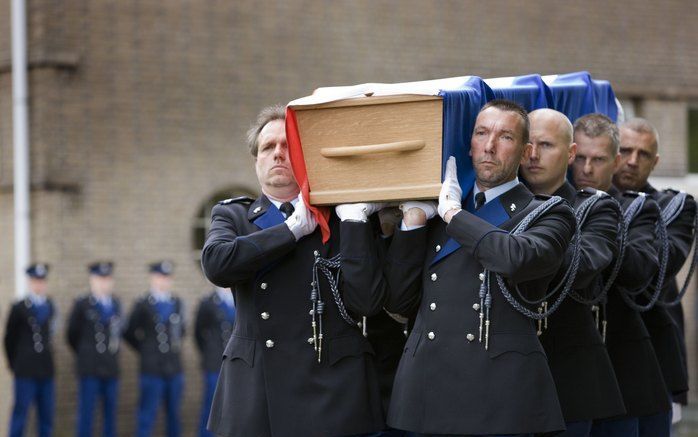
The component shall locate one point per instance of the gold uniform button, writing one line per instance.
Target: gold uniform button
(433, 277)
(311, 340)
(269, 344)
(431, 335)
(476, 306)
(263, 285)
(481, 276)
(438, 247)
(432, 306)
(265, 315)
(470, 337)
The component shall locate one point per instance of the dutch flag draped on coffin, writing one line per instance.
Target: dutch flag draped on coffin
(573, 94)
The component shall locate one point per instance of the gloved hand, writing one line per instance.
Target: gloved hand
(429, 207)
(390, 218)
(451, 192)
(357, 211)
(302, 221)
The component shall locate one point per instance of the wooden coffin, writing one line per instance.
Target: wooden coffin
(372, 148)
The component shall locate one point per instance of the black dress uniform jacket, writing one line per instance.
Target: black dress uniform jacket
(665, 333)
(271, 383)
(95, 342)
(627, 339)
(583, 373)
(211, 331)
(447, 383)
(158, 342)
(28, 342)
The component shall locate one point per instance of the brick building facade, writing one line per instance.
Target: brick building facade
(138, 112)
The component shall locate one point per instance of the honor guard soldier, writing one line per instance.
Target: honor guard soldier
(155, 330)
(213, 326)
(473, 364)
(628, 342)
(297, 363)
(94, 333)
(582, 370)
(639, 143)
(29, 352)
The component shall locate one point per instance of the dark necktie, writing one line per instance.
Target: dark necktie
(479, 200)
(287, 208)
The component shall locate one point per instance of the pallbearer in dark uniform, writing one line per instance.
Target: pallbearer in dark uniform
(583, 373)
(473, 364)
(639, 142)
(212, 328)
(30, 354)
(297, 363)
(627, 340)
(94, 333)
(155, 330)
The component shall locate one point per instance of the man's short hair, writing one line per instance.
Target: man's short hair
(597, 125)
(642, 126)
(265, 116)
(509, 106)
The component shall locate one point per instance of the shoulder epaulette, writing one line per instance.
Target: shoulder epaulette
(241, 199)
(631, 193)
(588, 191)
(671, 191)
(542, 197)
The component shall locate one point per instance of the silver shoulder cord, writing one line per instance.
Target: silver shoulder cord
(670, 213)
(566, 282)
(325, 267)
(661, 229)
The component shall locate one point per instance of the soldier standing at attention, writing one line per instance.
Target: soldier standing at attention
(94, 333)
(297, 363)
(212, 328)
(155, 330)
(639, 144)
(30, 354)
(582, 370)
(473, 365)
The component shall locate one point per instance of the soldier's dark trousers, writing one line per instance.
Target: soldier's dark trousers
(91, 390)
(577, 429)
(656, 425)
(626, 427)
(28, 391)
(153, 390)
(210, 379)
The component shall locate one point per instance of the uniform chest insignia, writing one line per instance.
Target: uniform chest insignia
(256, 210)
(512, 207)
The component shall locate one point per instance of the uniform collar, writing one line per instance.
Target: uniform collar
(258, 207)
(36, 299)
(160, 296)
(497, 191)
(567, 192)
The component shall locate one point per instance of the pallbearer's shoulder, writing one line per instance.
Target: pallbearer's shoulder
(589, 192)
(243, 200)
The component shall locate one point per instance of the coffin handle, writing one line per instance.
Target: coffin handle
(400, 146)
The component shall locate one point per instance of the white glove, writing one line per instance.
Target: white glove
(451, 192)
(357, 211)
(302, 221)
(428, 206)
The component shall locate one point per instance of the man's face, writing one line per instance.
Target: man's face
(497, 146)
(272, 162)
(102, 285)
(551, 152)
(160, 282)
(595, 162)
(37, 286)
(638, 157)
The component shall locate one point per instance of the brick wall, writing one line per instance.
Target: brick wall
(138, 111)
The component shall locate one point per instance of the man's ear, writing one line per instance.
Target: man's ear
(527, 149)
(572, 153)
